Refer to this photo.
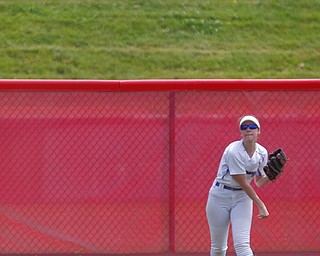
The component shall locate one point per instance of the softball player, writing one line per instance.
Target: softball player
(231, 195)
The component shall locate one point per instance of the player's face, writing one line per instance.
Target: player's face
(249, 131)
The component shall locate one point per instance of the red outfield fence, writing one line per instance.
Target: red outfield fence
(125, 166)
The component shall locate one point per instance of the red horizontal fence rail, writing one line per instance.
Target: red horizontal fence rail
(160, 85)
(119, 166)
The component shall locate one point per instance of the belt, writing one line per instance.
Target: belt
(227, 187)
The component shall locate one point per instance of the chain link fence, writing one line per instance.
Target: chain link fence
(129, 172)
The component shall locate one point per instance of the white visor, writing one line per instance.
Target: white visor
(249, 118)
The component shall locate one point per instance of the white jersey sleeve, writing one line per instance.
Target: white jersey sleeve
(235, 161)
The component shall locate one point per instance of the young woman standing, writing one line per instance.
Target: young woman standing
(231, 196)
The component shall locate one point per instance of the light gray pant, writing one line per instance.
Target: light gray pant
(224, 206)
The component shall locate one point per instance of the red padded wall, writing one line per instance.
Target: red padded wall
(125, 166)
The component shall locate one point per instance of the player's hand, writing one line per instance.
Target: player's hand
(263, 212)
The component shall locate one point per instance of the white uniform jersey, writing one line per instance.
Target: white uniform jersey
(235, 160)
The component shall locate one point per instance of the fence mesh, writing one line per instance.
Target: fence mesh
(129, 172)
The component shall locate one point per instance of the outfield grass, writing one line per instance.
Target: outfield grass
(144, 39)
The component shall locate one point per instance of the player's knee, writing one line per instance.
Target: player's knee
(218, 252)
(243, 249)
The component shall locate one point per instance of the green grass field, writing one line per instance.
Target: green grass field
(145, 39)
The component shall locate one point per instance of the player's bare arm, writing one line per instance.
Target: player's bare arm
(260, 181)
(242, 180)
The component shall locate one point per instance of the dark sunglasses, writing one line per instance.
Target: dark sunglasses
(251, 127)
